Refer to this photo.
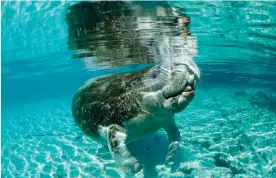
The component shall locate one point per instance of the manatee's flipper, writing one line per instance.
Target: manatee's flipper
(174, 139)
(120, 153)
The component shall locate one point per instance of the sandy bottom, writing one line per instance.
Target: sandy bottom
(223, 135)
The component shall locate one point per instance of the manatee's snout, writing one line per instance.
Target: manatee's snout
(181, 80)
(179, 92)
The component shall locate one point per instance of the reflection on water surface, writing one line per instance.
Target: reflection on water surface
(122, 33)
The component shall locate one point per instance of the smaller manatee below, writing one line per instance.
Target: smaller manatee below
(259, 99)
(263, 100)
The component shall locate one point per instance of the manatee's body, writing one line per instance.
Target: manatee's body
(109, 100)
(122, 108)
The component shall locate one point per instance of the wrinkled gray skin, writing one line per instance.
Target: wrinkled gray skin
(123, 108)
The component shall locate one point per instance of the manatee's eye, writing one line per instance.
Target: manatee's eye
(133, 83)
(154, 73)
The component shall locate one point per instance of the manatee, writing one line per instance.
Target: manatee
(122, 108)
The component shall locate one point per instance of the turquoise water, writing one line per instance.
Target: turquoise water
(227, 131)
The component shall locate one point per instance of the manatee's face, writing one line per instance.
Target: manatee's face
(179, 90)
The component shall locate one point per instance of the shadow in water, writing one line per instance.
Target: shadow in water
(151, 152)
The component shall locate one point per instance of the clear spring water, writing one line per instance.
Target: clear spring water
(227, 131)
